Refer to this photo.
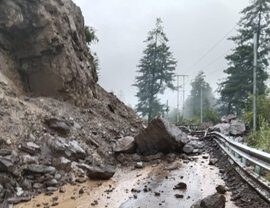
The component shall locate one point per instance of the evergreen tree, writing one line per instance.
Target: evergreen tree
(156, 71)
(193, 105)
(236, 88)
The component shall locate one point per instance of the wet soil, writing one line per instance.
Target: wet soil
(151, 186)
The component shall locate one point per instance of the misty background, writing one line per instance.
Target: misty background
(197, 31)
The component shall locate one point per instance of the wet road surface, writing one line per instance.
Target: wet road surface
(201, 180)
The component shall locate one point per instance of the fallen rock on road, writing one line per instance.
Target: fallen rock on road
(160, 136)
(212, 201)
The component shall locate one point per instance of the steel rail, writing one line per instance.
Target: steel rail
(241, 155)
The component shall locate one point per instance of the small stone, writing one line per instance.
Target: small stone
(205, 156)
(139, 165)
(55, 204)
(81, 191)
(51, 189)
(62, 190)
(212, 161)
(157, 194)
(221, 189)
(180, 185)
(179, 196)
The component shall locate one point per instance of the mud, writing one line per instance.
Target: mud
(151, 186)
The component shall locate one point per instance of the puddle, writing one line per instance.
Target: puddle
(201, 180)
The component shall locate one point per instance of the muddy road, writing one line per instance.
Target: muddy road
(151, 186)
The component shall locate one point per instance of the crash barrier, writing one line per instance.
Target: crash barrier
(253, 165)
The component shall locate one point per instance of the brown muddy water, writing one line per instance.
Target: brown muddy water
(201, 180)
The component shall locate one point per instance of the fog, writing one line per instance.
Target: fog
(197, 31)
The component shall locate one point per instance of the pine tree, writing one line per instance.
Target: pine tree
(193, 104)
(236, 89)
(156, 71)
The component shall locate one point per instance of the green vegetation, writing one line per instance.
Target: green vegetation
(236, 88)
(261, 138)
(91, 37)
(200, 88)
(156, 71)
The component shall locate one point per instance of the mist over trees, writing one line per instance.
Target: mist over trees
(201, 95)
(155, 72)
(235, 90)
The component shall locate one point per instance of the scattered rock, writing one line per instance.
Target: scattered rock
(179, 196)
(188, 148)
(6, 165)
(5, 152)
(213, 161)
(62, 163)
(81, 191)
(157, 194)
(153, 157)
(212, 201)
(61, 126)
(139, 165)
(170, 157)
(221, 189)
(29, 147)
(42, 169)
(101, 173)
(125, 145)
(180, 186)
(17, 200)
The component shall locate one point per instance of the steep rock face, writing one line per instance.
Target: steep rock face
(43, 49)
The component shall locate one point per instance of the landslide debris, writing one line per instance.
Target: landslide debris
(160, 136)
(57, 125)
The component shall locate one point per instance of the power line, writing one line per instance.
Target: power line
(212, 48)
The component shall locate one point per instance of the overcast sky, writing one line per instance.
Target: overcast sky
(192, 26)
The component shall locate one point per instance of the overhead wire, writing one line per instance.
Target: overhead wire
(212, 48)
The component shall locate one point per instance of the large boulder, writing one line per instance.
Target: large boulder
(42, 45)
(234, 128)
(237, 128)
(223, 128)
(125, 145)
(160, 136)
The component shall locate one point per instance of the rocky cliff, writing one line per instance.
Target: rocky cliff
(57, 125)
(43, 49)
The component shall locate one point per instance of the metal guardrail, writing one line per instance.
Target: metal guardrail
(250, 162)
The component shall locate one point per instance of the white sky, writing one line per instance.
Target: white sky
(192, 26)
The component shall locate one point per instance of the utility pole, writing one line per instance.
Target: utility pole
(184, 76)
(201, 107)
(178, 93)
(167, 109)
(255, 81)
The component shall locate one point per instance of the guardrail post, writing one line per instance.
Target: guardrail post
(244, 161)
(257, 169)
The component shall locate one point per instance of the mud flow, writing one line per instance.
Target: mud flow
(152, 186)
